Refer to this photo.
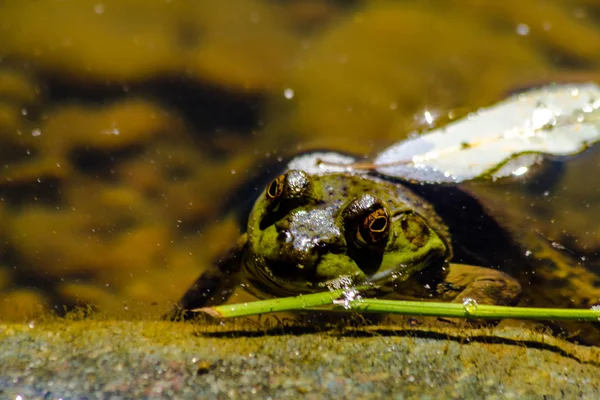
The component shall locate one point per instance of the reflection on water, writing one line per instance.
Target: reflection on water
(125, 126)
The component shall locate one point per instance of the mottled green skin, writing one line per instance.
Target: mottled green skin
(306, 240)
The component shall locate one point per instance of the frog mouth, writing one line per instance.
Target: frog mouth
(262, 282)
(401, 272)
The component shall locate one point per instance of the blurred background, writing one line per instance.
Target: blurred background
(127, 125)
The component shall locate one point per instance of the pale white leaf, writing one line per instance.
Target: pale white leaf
(506, 138)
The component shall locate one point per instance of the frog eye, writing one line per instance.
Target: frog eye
(374, 227)
(275, 189)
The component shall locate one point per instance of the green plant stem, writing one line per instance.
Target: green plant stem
(482, 311)
(318, 301)
(302, 302)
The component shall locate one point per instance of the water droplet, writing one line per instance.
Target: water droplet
(428, 117)
(596, 308)
(112, 131)
(520, 171)
(288, 93)
(543, 117)
(470, 305)
(522, 30)
(396, 275)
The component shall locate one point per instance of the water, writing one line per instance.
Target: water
(126, 139)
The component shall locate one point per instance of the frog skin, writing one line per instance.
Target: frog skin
(315, 232)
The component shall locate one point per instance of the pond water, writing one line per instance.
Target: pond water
(127, 127)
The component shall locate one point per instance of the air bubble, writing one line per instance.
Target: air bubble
(470, 305)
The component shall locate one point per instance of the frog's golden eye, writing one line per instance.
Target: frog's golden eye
(374, 227)
(275, 189)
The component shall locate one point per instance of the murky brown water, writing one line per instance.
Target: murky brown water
(127, 125)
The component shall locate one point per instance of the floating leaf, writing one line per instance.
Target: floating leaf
(501, 140)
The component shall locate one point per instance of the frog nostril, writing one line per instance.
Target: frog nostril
(285, 236)
(323, 247)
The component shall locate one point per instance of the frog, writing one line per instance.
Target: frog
(315, 231)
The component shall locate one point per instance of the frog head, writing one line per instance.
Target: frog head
(307, 233)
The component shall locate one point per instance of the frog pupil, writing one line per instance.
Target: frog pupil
(378, 225)
(374, 226)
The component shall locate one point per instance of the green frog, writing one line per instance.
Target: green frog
(315, 229)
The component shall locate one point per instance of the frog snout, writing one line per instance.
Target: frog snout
(303, 237)
(303, 250)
